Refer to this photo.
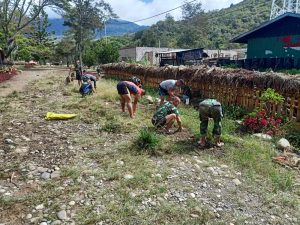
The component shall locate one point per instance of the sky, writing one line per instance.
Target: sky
(132, 10)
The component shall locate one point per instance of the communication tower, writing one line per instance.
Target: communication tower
(280, 7)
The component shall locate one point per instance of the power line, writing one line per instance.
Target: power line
(159, 14)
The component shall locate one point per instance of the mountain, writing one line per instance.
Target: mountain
(114, 27)
(212, 29)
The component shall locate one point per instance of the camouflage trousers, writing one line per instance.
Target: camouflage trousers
(214, 112)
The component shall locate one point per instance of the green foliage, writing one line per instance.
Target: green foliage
(293, 136)
(270, 95)
(235, 112)
(100, 52)
(147, 140)
(112, 126)
(213, 29)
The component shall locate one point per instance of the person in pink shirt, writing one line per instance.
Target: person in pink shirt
(125, 90)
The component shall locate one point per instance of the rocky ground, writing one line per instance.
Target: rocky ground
(88, 171)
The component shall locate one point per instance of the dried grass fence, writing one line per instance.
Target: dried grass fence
(230, 86)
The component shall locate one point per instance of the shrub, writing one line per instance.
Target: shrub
(260, 121)
(148, 141)
(235, 112)
(264, 119)
(270, 96)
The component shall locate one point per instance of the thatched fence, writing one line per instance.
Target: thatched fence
(230, 86)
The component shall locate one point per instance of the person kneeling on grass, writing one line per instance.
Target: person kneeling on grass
(86, 87)
(166, 115)
(210, 108)
(125, 90)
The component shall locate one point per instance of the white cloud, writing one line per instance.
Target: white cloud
(133, 10)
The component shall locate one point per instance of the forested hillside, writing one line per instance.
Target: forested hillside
(212, 29)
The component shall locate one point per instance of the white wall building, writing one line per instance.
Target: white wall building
(142, 54)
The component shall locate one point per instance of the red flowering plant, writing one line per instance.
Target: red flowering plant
(264, 120)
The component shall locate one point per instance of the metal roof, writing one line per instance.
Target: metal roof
(243, 38)
(179, 50)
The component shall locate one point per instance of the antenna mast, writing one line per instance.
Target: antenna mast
(280, 7)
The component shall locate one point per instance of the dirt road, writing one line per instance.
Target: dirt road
(19, 82)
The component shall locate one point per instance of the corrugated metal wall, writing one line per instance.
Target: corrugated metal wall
(274, 47)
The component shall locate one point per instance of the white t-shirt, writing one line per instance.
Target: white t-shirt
(168, 84)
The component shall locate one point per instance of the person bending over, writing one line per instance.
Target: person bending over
(91, 77)
(125, 90)
(166, 114)
(167, 88)
(210, 108)
(86, 87)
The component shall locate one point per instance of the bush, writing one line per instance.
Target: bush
(148, 141)
(294, 138)
(264, 119)
(235, 112)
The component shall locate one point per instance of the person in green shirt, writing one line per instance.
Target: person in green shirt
(166, 114)
(210, 108)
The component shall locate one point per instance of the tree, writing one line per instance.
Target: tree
(106, 52)
(17, 15)
(42, 44)
(65, 49)
(84, 17)
(191, 9)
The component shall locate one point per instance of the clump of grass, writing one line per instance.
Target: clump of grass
(148, 141)
(14, 94)
(112, 127)
(108, 90)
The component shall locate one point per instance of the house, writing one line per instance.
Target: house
(138, 54)
(275, 43)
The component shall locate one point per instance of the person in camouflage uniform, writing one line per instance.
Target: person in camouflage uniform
(210, 108)
(166, 115)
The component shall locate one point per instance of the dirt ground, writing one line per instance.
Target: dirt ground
(88, 171)
(19, 82)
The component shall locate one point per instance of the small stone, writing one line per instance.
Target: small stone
(263, 136)
(29, 216)
(21, 150)
(39, 207)
(120, 163)
(56, 222)
(149, 99)
(8, 141)
(62, 215)
(224, 166)
(35, 220)
(128, 177)
(192, 195)
(283, 144)
(45, 176)
(42, 169)
(210, 169)
(153, 203)
(194, 216)
(71, 203)
(237, 182)
(55, 174)
(160, 199)
(197, 167)
(25, 138)
(43, 223)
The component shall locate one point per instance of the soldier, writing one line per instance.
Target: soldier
(166, 115)
(210, 108)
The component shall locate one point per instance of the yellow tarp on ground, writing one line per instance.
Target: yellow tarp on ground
(56, 116)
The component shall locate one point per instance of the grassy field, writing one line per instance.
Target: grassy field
(119, 170)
